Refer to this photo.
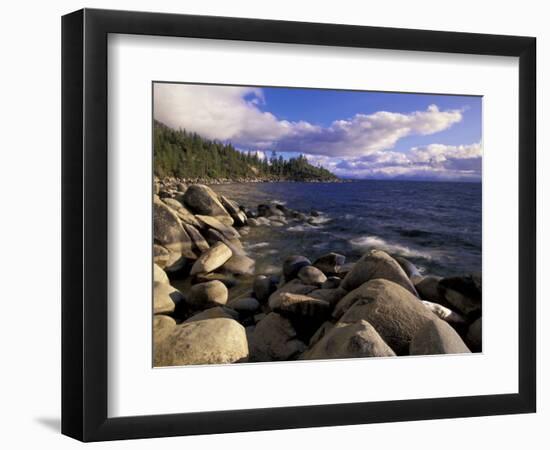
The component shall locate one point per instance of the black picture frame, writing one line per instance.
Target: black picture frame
(84, 224)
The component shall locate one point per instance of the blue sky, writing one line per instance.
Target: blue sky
(355, 134)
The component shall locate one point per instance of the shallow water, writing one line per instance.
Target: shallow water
(436, 225)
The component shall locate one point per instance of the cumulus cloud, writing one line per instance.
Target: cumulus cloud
(366, 134)
(233, 114)
(435, 161)
(218, 112)
(439, 153)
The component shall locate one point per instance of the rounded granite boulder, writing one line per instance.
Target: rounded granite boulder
(208, 294)
(437, 337)
(293, 264)
(216, 256)
(311, 275)
(263, 287)
(377, 264)
(210, 341)
(349, 340)
(275, 339)
(202, 200)
(165, 298)
(168, 231)
(392, 310)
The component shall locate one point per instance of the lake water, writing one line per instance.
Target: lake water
(436, 225)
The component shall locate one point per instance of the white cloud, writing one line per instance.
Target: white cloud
(233, 113)
(217, 112)
(261, 155)
(435, 161)
(367, 134)
(439, 153)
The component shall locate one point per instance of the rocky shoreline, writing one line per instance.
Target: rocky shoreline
(323, 309)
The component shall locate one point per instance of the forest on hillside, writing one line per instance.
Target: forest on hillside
(187, 155)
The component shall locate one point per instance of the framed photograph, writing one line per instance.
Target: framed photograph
(273, 224)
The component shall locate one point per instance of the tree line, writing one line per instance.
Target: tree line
(187, 155)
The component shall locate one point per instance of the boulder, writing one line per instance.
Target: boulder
(216, 312)
(294, 287)
(182, 212)
(473, 337)
(293, 264)
(246, 305)
(240, 265)
(275, 339)
(205, 295)
(202, 200)
(280, 219)
(345, 269)
(331, 283)
(238, 216)
(428, 288)
(162, 327)
(165, 298)
(311, 275)
(262, 221)
(169, 232)
(330, 263)
(320, 333)
(251, 221)
(444, 313)
(298, 305)
(392, 310)
(161, 256)
(259, 316)
(263, 287)
(436, 337)
(210, 341)
(281, 207)
(410, 269)
(250, 214)
(269, 210)
(173, 258)
(376, 264)
(263, 210)
(216, 256)
(213, 236)
(226, 230)
(159, 275)
(463, 293)
(200, 244)
(333, 296)
(227, 279)
(349, 340)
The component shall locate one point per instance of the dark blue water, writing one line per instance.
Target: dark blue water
(436, 225)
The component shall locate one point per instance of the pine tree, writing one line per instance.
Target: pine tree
(184, 154)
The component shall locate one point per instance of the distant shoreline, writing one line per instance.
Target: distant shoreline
(246, 181)
(339, 180)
